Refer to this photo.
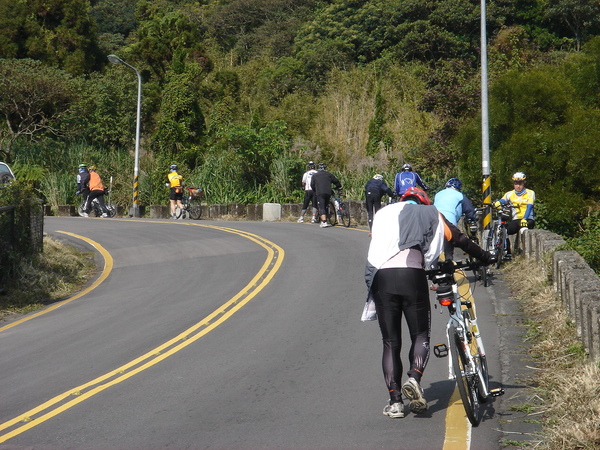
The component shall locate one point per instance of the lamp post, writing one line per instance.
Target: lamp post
(486, 186)
(136, 168)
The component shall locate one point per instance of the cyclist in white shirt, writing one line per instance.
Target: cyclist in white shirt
(309, 194)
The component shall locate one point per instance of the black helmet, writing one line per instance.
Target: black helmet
(322, 166)
(311, 165)
(173, 167)
(407, 166)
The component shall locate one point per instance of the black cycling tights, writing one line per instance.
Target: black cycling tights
(398, 292)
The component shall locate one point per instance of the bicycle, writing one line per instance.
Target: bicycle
(192, 204)
(471, 228)
(95, 206)
(468, 364)
(496, 239)
(338, 208)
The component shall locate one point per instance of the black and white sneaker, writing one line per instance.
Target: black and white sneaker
(413, 391)
(395, 410)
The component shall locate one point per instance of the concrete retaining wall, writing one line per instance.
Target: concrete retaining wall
(575, 282)
(261, 212)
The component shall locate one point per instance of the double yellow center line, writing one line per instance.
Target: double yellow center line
(67, 400)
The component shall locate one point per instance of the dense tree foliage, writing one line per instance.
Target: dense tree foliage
(244, 91)
(59, 33)
(33, 100)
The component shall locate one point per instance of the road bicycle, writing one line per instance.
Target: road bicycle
(471, 228)
(496, 239)
(192, 207)
(338, 209)
(95, 208)
(467, 364)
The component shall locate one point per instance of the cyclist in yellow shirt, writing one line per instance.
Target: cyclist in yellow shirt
(176, 185)
(522, 200)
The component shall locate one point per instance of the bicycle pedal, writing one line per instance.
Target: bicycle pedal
(496, 392)
(440, 350)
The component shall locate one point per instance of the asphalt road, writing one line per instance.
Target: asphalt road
(222, 335)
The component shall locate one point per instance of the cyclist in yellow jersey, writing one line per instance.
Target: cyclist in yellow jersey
(176, 185)
(522, 200)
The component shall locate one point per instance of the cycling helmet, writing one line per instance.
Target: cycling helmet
(406, 167)
(378, 176)
(173, 167)
(454, 183)
(416, 194)
(519, 176)
(322, 166)
(82, 166)
(311, 165)
(92, 167)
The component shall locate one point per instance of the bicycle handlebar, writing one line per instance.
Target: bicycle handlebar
(449, 267)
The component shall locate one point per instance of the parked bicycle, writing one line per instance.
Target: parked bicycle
(468, 364)
(338, 209)
(495, 240)
(471, 229)
(192, 204)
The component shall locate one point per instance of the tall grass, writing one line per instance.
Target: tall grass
(567, 382)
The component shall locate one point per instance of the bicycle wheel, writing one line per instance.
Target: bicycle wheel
(178, 212)
(500, 246)
(331, 214)
(483, 274)
(481, 368)
(195, 209)
(344, 214)
(466, 383)
(80, 209)
(112, 209)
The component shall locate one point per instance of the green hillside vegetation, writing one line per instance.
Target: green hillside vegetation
(242, 93)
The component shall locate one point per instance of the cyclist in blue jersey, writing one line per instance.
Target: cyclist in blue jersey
(407, 179)
(452, 203)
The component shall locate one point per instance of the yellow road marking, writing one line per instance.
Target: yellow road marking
(108, 266)
(67, 400)
(458, 428)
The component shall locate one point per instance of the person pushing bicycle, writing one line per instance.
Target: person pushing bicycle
(96, 192)
(522, 200)
(176, 186)
(321, 185)
(374, 190)
(407, 237)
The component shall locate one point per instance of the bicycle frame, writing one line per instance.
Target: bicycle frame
(341, 211)
(463, 337)
(462, 316)
(496, 240)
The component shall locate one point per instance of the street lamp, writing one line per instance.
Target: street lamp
(136, 168)
(486, 186)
